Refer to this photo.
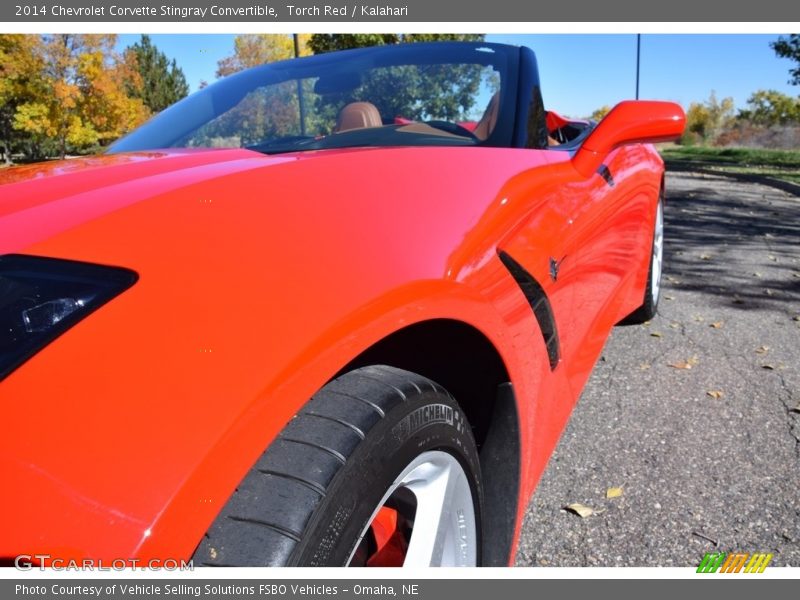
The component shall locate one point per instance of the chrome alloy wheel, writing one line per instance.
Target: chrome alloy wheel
(426, 518)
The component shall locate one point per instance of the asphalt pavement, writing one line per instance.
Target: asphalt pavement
(692, 420)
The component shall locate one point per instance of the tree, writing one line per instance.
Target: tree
(600, 113)
(770, 107)
(81, 98)
(444, 92)
(269, 112)
(20, 83)
(708, 119)
(104, 103)
(252, 50)
(320, 43)
(789, 47)
(330, 42)
(161, 82)
(447, 92)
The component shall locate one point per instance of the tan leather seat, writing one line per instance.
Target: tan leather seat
(488, 121)
(357, 115)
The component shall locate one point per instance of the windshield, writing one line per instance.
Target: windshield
(405, 95)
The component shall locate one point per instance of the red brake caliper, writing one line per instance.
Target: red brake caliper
(390, 541)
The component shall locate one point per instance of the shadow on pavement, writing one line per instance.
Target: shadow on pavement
(740, 247)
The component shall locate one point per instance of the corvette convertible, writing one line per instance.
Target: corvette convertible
(329, 311)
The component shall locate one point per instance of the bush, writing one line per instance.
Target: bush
(745, 134)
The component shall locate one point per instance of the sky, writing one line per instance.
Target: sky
(582, 72)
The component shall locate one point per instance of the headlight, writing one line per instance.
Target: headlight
(40, 298)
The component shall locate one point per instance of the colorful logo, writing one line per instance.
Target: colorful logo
(734, 562)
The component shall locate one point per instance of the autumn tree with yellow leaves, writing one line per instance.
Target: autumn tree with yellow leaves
(65, 93)
(252, 50)
(20, 84)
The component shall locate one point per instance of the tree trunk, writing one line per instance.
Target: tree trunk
(6, 152)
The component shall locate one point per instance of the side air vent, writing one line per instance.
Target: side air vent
(539, 304)
(605, 173)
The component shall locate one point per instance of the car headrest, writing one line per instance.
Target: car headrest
(486, 125)
(357, 115)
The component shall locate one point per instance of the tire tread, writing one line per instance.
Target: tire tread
(265, 518)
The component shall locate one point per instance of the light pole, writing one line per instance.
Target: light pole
(638, 57)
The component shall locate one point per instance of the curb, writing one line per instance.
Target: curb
(786, 186)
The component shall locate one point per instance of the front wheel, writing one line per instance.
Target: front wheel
(379, 468)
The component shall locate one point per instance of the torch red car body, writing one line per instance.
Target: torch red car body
(262, 277)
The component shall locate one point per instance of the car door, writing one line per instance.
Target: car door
(608, 212)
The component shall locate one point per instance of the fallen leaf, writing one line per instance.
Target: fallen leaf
(738, 300)
(773, 258)
(717, 324)
(769, 292)
(672, 279)
(655, 334)
(669, 297)
(768, 367)
(716, 394)
(757, 274)
(762, 349)
(681, 365)
(705, 256)
(796, 318)
(674, 325)
(795, 409)
(581, 510)
(614, 492)
(644, 366)
(699, 318)
(685, 364)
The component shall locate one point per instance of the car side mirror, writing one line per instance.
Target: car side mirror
(629, 122)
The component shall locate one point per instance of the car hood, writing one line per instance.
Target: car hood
(44, 199)
(112, 208)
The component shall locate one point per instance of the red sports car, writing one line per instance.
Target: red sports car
(328, 311)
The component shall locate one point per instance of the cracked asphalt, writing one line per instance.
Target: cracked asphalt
(698, 473)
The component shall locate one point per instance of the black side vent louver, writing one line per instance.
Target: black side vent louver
(539, 304)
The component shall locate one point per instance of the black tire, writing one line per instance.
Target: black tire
(311, 495)
(652, 292)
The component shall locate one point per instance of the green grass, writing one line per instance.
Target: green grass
(780, 164)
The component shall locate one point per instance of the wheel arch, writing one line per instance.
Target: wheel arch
(464, 361)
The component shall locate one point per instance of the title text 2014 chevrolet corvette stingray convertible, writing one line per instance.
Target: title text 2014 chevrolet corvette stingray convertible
(328, 311)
